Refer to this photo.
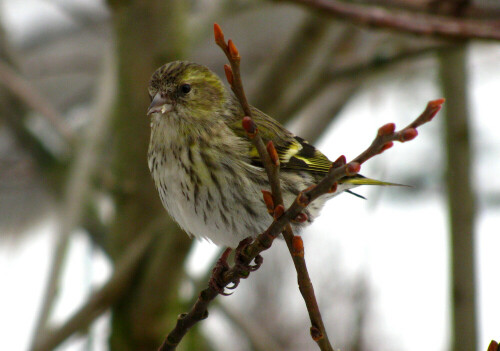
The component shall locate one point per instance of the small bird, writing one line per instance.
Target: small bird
(208, 173)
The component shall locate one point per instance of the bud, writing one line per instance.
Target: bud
(249, 126)
(273, 154)
(386, 146)
(278, 211)
(235, 55)
(339, 162)
(268, 200)
(301, 218)
(219, 36)
(353, 168)
(408, 134)
(386, 129)
(229, 74)
(333, 188)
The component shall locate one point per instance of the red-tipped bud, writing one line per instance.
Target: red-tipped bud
(386, 129)
(298, 246)
(436, 104)
(229, 74)
(339, 162)
(303, 199)
(249, 126)
(352, 168)
(273, 154)
(433, 108)
(219, 36)
(333, 188)
(235, 55)
(493, 346)
(386, 146)
(408, 134)
(278, 211)
(268, 200)
(301, 218)
(316, 334)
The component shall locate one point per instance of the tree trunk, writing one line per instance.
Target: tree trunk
(460, 197)
(148, 34)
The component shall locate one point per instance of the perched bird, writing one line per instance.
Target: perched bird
(208, 173)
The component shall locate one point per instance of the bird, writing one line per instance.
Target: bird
(208, 174)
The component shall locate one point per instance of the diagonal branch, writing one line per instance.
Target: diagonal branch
(416, 23)
(116, 287)
(32, 98)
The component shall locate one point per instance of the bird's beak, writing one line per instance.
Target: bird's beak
(160, 104)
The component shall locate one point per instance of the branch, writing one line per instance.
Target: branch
(339, 169)
(116, 287)
(468, 9)
(32, 98)
(416, 23)
(257, 335)
(270, 159)
(384, 140)
(296, 57)
(76, 192)
(354, 73)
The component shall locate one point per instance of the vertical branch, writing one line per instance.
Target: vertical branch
(460, 197)
(79, 180)
(270, 159)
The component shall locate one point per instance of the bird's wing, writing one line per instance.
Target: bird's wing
(294, 152)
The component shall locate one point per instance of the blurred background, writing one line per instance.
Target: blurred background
(89, 259)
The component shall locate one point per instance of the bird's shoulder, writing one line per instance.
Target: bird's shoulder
(294, 152)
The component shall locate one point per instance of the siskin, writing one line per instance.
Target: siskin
(208, 174)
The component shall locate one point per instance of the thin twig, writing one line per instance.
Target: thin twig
(472, 9)
(258, 336)
(312, 89)
(32, 98)
(270, 159)
(296, 57)
(416, 23)
(102, 299)
(77, 189)
(234, 78)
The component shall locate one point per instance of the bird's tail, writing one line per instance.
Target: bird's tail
(361, 180)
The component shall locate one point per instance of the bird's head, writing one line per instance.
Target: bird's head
(186, 90)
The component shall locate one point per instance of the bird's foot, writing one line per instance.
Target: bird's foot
(244, 269)
(217, 279)
(239, 256)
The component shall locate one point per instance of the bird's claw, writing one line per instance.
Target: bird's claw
(216, 280)
(246, 268)
(243, 269)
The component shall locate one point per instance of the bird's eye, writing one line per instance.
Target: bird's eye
(185, 88)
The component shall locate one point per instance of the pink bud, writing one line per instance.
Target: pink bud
(387, 129)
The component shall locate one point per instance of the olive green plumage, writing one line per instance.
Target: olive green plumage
(208, 174)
